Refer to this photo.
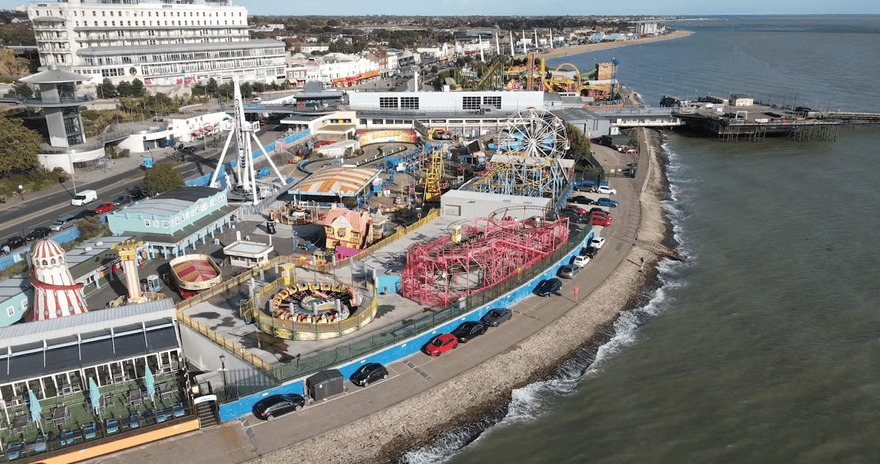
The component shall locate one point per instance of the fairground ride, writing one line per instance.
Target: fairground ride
(531, 145)
(474, 258)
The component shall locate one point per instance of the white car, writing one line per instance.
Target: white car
(605, 190)
(580, 261)
(597, 242)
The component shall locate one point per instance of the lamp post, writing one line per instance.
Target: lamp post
(223, 369)
(21, 191)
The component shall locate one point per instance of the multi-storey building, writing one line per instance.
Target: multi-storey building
(163, 42)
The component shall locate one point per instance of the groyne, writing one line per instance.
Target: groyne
(404, 425)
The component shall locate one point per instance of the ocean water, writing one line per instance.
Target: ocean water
(764, 345)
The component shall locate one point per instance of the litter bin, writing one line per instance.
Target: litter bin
(270, 227)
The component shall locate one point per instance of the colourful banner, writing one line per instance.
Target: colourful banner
(366, 138)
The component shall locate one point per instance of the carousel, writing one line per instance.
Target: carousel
(312, 311)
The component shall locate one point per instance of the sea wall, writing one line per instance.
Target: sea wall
(378, 437)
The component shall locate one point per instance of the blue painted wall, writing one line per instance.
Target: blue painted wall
(234, 410)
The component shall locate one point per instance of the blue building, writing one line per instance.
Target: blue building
(174, 221)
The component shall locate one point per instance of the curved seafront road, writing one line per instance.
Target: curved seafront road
(423, 394)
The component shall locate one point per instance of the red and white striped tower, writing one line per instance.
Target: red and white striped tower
(55, 293)
(127, 250)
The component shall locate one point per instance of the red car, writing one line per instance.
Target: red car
(631, 150)
(441, 344)
(600, 215)
(105, 207)
(602, 221)
(576, 209)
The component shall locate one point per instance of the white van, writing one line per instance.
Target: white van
(83, 197)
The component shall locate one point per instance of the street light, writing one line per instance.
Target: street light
(223, 369)
(21, 191)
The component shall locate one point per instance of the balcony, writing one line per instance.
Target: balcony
(77, 100)
(94, 143)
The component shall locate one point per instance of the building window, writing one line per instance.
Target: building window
(164, 224)
(409, 103)
(187, 214)
(492, 101)
(470, 103)
(155, 223)
(10, 311)
(147, 222)
(388, 102)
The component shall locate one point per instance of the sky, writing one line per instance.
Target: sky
(547, 7)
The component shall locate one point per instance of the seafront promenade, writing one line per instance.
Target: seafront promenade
(425, 396)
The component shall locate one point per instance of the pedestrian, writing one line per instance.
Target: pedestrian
(5, 249)
(642, 267)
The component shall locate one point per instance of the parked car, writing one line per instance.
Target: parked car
(568, 271)
(136, 193)
(580, 260)
(441, 344)
(606, 190)
(83, 197)
(599, 214)
(86, 213)
(39, 232)
(105, 207)
(14, 242)
(631, 150)
(123, 199)
(273, 406)
(582, 200)
(605, 201)
(573, 216)
(593, 210)
(597, 242)
(369, 372)
(62, 222)
(468, 330)
(496, 316)
(590, 252)
(576, 209)
(603, 221)
(548, 287)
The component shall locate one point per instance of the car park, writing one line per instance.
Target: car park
(548, 287)
(597, 242)
(468, 330)
(62, 222)
(580, 260)
(105, 207)
(568, 271)
(605, 201)
(14, 242)
(496, 316)
(606, 190)
(38, 233)
(273, 406)
(441, 344)
(368, 373)
(590, 252)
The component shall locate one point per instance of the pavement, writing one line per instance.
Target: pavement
(249, 438)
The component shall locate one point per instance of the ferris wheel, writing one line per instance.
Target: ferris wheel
(535, 133)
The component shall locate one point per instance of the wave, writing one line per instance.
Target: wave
(529, 402)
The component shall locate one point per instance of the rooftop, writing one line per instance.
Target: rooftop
(170, 203)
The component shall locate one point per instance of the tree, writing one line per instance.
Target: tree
(124, 89)
(20, 146)
(106, 89)
(579, 145)
(161, 178)
(23, 90)
(137, 88)
(211, 87)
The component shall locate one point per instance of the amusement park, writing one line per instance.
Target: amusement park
(295, 261)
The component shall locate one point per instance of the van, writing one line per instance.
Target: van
(62, 222)
(83, 197)
(258, 100)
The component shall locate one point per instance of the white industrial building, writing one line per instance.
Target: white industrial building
(334, 67)
(470, 204)
(160, 42)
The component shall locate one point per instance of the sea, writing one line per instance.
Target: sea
(763, 345)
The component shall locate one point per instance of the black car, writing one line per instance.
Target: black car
(496, 316)
(123, 199)
(39, 232)
(601, 210)
(548, 287)
(368, 373)
(590, 251)
(14, 242)
(468, 330)
(86, 213)
(273, 406)
(136, 193)
(582, 201)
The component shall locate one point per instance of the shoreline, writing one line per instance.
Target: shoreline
(385, 435)
(579, 49)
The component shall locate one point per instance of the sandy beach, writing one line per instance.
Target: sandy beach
(578, 49)
(416, 420)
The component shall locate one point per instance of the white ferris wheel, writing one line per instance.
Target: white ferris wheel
(534, 133)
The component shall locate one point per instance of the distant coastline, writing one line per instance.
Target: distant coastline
(578, 49)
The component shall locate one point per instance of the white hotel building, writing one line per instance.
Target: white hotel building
(160, 42)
